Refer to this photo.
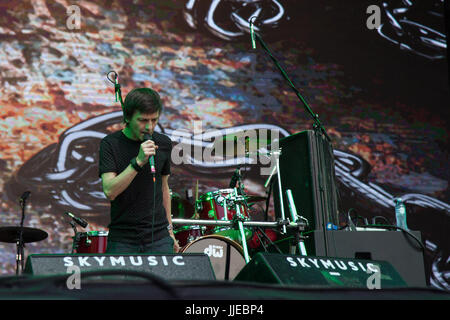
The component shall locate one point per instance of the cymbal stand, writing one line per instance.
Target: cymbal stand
(280, 190)
(239, 219)
(20, 245)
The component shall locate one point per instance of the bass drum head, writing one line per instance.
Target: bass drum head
(226, 256)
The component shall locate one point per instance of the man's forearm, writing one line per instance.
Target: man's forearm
(115, 186)
(167, 201)
(167, 205)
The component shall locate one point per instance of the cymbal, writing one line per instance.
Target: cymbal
(254, 198)
(11, 234)
(233, 137)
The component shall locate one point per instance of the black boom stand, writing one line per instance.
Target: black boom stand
(76, 237)
(317, 126)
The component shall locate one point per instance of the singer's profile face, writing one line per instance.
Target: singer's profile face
(140, 124)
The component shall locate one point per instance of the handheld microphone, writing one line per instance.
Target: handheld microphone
(252, 34)
(151, 159)
(80, 221)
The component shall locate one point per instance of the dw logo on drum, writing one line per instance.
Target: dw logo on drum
(214, 251)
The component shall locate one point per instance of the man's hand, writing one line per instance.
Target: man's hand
(148, 148)
(176, 246)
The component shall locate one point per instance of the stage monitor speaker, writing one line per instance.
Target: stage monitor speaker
(166, 266)
(307, 168)
(398, 248)
(313, 271)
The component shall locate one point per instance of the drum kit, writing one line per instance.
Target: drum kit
(222, 227)
(225, 244)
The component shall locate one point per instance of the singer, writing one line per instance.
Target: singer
(140, 201)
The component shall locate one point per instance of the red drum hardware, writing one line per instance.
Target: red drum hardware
(92, 242)
(223, 204)
(187, 234)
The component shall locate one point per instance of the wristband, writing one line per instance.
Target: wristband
(134, 164)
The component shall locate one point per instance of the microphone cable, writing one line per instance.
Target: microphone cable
(154, 206)
(153, 172)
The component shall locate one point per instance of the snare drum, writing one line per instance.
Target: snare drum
(214, 204)
(226, 256)
(93, 242)
(187, 234)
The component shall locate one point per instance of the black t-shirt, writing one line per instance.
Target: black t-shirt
(132, 210)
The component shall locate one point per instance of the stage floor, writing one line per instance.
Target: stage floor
(155, 288)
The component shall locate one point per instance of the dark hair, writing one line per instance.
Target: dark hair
(144, 100)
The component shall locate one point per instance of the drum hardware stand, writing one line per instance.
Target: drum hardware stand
(259, 238)
(238, 224)
(277, 158)
(299, 238)
(300, 226)
(228, 223)
(268, 239)
(299, 243)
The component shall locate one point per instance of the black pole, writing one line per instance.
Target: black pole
(20, 245)
(317, 124)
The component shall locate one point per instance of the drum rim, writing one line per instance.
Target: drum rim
(226, 190)
(226, 239)
(184, 228)
(220, 229)
(95, 233)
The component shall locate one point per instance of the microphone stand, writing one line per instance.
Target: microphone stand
(76, 237)
(317, 126)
